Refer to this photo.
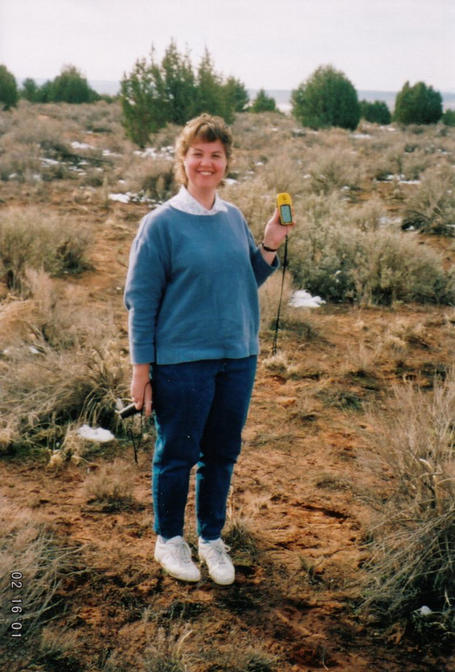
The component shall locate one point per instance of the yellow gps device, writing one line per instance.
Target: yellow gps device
(284, 205)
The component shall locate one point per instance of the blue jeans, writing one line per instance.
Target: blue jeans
(200, 410)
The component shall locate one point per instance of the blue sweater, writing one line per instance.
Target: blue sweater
(191, 289)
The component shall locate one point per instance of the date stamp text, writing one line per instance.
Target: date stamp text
(16, 605)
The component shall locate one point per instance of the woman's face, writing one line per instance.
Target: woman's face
(205, 165)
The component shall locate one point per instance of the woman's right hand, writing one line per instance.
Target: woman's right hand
(141, 388)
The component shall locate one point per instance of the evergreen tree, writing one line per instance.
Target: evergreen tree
(144, 102)
(418, 104)
(263, 102)
(179, 85)
(326, 99)
(209, 96)
(45, 93)
(8, 88)
(29, 90)
(235, 94)
(156, 93)
(377, 112)
(71, 87)
(449, 117)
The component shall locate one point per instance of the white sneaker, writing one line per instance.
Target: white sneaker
(174, 556)
(215, 555)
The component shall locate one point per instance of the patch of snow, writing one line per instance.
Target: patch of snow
(130, 197)
(95, 434)
(121, 198)
(424, 610)
(389, 220)
(303, 299)
(153, 153)
(361, 136)
(81, 145)
(50, 162)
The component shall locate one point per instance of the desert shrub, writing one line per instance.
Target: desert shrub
(255, 201)
(262, 137)
(32, 559)
(8, 88)
(17, 164)
(284, 173)
(59, 365)
(418, 104)
(332, 168)
(32, 238)
(326, 99)
(153, 178)
(432, 208)
(376, 112)
(413, 535)
(332, 258)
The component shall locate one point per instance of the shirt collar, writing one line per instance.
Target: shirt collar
(186, 203)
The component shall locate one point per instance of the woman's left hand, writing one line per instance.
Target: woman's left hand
(275, 233)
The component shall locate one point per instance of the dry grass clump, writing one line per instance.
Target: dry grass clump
(111, 486)
(32, 238)
(32, 567)
(60, 649)
(50, 389)
(413, 537)
(432, 208)
(339, 262)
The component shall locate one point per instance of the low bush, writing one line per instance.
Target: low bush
(334, 259)
(432, 208)
(412, 547)
(31, 238)
(59, 364)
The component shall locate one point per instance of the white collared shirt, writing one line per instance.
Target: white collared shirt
(186, 203)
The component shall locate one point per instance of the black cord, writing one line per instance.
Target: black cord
(277, 322)
(136, 439)
(131, 410)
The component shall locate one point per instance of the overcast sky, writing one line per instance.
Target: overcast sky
(275, 44)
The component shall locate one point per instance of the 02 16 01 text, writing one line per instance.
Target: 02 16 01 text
(16, 604)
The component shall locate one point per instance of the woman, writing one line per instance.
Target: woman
(191, 293)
